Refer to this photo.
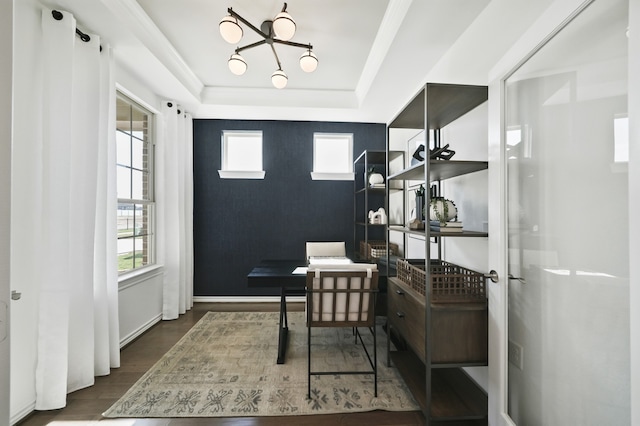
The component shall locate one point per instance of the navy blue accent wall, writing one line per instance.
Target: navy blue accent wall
(237, 222)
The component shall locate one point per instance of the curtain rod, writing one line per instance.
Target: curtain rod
(57, 15)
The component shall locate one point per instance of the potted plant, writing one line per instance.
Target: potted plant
(442, 210)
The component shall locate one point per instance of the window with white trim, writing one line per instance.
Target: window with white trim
(621, 138)
(241, 154)
(135, 184)
(332, 156)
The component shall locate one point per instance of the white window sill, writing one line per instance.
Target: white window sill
(235, 174)
(332, 176)
(137, 275)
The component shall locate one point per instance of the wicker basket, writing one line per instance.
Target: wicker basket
(449, 283)
(375, 249)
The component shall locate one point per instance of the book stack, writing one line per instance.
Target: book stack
(377, 185)
(444, 227)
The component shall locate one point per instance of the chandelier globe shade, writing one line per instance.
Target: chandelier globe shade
(284, 26)
(308, 61)
(279, 79)
(237, 64)
(230, 30)
(276, 32)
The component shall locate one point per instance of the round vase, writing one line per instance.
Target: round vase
(437, 210)
(375, 178)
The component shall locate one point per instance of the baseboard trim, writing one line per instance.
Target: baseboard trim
(246, 299)
(23, 414)
(140, 330)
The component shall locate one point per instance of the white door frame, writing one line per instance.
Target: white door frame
(555, 17)
(634, 205)
(6, 101)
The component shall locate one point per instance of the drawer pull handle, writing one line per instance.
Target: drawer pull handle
(400, 314)
(400, 292)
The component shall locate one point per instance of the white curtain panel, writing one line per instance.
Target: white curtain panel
(77, 309)
(186, 225)
(188, 209)
(107, 326)
(174, 196)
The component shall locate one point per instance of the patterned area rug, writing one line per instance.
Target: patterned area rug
(226, 366)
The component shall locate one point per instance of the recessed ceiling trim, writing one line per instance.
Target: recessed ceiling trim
(130, 13)
(298, 98)
(389, 27)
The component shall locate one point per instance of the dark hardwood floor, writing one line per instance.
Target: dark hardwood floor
(86, 406)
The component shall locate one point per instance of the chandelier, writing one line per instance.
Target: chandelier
(278, 31)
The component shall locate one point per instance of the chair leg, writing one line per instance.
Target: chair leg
(375, 362)
(308, 362)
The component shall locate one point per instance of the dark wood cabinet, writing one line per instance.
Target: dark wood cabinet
(406, 315)
(458, 330)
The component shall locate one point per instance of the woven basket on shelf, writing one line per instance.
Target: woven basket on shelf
(375, 249)
(449, 283)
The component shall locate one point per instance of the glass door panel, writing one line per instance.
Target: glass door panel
(568, 248)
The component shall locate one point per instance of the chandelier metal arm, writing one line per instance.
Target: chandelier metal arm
(273, 49)
(293, 43)
(249, 46)
(247, 23)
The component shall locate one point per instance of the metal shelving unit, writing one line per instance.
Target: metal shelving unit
(446, 393)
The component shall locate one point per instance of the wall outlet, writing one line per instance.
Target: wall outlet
(516, 353)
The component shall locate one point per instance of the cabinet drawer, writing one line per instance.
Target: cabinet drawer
(406, 314)
(458, 331)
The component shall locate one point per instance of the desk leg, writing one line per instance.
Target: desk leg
(283, 327)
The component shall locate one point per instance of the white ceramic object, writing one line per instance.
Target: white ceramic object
(375, 178)
(437, 210)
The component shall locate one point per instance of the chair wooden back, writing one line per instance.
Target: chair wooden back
(341, 295)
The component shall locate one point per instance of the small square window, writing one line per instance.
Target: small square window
(621, 139)
(332, 156)
(241, 155)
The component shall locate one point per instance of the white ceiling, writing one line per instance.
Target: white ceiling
(373, 54)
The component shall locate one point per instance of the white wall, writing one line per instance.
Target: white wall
(398, 140)
(140, 304)
(468, 137)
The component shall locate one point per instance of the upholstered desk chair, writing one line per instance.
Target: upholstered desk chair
(342, 296)
(325, 249)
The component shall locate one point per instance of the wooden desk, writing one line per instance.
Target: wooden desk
(279, 273)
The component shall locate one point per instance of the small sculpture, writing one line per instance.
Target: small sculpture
(378, 217)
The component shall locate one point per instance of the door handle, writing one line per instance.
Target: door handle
(522, 280)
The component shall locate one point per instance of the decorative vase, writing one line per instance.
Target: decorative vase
(442, 210)
(420, 207)
(375, 179)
